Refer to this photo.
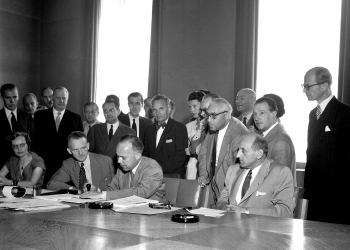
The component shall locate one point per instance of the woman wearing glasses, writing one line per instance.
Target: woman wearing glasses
(26, 168)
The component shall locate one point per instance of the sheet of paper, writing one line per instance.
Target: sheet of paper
(11, 200)
(131, 201)
(31, 203)
(208, 212)
(146, 210)
(57, 197)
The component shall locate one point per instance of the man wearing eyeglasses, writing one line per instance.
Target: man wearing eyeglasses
(91, 112)
(82, 168)
(328, 152)
(218, 150)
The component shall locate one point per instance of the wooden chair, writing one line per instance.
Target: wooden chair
(300, 211)
(185, 193)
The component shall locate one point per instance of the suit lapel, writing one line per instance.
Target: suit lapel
(138, 171)
(51, 121)
(114, 140)
(104, 135)
(5, 121)
(165, 134)
(234, 187)
(224, 145)
(95, 173)
(272, 133)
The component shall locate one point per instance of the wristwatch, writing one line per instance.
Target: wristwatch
(246, 210)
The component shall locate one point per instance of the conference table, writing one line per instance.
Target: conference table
(85, 228)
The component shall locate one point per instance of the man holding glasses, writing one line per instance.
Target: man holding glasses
(219, 149)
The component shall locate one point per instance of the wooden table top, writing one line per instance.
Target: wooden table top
(84, 228)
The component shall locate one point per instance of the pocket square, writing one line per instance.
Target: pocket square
(168, 141)
(260, 193)
(327, 129)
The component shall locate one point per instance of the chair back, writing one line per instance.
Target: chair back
(300, 211)
(184, 193)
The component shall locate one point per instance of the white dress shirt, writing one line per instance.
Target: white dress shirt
(55, 113)
(115, 127)
(246, 171)
(219, 140)
(137, 122)
(160, 132)
(267, 131)
(324, 104)
(9, 115)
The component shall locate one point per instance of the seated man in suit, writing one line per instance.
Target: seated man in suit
(137, 175)
(166, 140)
(281, 147)
(91, 112)
(133, 118)
(257, 185)
(12, 120)
(104, 137)
(245, 101)
(82, 168)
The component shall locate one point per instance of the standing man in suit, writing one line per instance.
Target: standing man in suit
(245, 101)
(30, 104)
(91, 112)
(46, 97)
(166, 140)
(82, 168)
(281, 147)
(218, 150)
(257, 185)
(133, 118)
(148, 108)
(137, 175)
(52, 127)
(328, 152)
(104, 137)
(11, 120)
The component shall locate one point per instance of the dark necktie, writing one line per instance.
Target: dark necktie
(82, 177)
(110, 134)
(134, 125)
(213, 156)
(246, 183)
(318, 112)
(245, 121)
(160, 125)
(13, 122)
(131, 178)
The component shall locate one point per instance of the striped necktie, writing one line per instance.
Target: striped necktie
(318, 112)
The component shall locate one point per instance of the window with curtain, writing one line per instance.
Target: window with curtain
(123, 50)
(295, 36)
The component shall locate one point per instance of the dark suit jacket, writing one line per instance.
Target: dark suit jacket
(250, 123)
(100, 143)
(327, 168)
(51, 144)
(24, 125)
(270, 193)
(102, 173)
(170, 153)
(147, 182)
(143, 123)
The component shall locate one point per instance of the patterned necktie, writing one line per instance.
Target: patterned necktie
(82, 177)
(13, 122)
(110, 134)
(134, 125)
(245, 121)
(131, 178)
(318, 112)
(246, 183)
(58, 121)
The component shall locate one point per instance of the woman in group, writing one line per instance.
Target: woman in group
(24, 166)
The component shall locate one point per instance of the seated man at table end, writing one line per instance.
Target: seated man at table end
(137, 175)
(257, 185)
(82, 168)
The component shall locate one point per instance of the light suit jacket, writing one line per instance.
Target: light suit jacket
(270, 193)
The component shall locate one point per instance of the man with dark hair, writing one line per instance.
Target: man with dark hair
(218, 150)
(30, 104)
(328, 151)
(166, 140)
(257, 185)
(137, 175)
(11, 120)
(82, 168)
(54, 125)
(91, 112)
(245, 101)
(133, 118)
(116, 99)
(46, 97)
(281, 147)
(104, 137)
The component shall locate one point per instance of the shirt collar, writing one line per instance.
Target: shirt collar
(248, 116)
(223, 131)
(134, 170)
(323, 104)
(8, 112)
(55, 112)
(87, 161)
(131, 117)
(267, 131)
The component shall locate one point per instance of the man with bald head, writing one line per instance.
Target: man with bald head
(245, 101)
(328, 152)
(218, 150)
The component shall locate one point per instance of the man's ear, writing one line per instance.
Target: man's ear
(69, 151)
(259, 153)
(88, 146)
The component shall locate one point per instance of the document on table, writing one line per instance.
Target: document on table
(208, 212)
(70, 198)
(146, 210)
(131, 201)
(32, 205)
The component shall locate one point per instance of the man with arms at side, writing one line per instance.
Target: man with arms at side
(137, 175)
(133, 118)
(82, 168)
(218, 150)
(166, 140)
(91, 112)
(245, 101)
(47, 97)
(328, 151)
(11, 120)
(281, 147)
(257, 185)
(52, 127)
(104, 137)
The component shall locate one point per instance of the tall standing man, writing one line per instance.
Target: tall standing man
(91, 112)
(52, 127)
(218, 150)
(328, 152)
(166, 140)
(133, 118)
(245, 101)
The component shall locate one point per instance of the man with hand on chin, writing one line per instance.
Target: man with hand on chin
(257, 185)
